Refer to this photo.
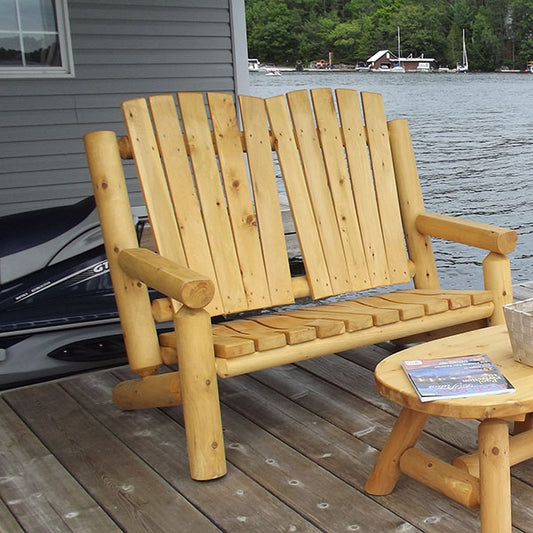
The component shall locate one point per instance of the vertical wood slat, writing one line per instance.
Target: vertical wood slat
(153, 181)
(211, 195)
(363, 189)
(269, 220)
(302, 211)
(385, 185)
(339, 183)
(319, 193)
(181, 186)
(229, 146)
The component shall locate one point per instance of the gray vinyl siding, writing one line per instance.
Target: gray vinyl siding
(122, 49)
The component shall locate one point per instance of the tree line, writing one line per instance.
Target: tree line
(499, 33)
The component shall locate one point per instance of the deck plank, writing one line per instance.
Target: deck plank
(127, 489)
(226, 502)
(300, 440)
(345, 456)
(37, 489)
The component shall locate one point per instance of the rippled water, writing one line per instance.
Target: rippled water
(473, 140)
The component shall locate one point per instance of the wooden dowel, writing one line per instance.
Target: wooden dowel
(300, 287)
(497, 278)
(403, 436)
(520, 450)
(162, 390)
(162, 310)
(524, 425)
(478, 234)
(495, 477)
(199, 390)
(454, 483)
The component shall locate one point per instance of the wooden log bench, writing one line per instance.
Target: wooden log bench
(212, 195)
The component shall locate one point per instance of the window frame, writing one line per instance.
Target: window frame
(66, 70)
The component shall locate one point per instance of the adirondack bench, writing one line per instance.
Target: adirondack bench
(211, 193)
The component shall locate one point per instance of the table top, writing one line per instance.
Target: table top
(393, 383)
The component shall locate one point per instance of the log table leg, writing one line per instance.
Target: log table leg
(403, 436)
(495, 477)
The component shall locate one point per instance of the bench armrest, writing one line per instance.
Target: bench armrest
(477, 234)
(175, 281)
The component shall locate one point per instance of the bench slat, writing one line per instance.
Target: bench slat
(153, 180)
(385, 186)
(354, 134)
(319, 192)
(295, 185)
(239, 200)
(267, 206)
(211, 194)
(181, 187)
(339, 182)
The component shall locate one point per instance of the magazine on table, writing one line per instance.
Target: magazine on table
(456, 377)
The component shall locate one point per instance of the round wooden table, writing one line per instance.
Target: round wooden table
(482, 477)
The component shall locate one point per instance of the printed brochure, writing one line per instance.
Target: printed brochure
(456, 377)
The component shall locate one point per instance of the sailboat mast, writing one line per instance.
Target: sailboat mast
(465, 57)
(399, 45)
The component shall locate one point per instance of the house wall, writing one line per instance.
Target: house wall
(122, 49)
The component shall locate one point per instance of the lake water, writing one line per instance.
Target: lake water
(473, 140)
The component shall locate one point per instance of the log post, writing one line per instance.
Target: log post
(403, 436)
(495, 476)
(411, 205)
(116, 221)
(497, 276)
(199, 394)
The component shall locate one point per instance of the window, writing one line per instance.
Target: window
(34, 39)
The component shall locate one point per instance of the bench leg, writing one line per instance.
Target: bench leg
(403, 436)
(494, 477)
(199, 393)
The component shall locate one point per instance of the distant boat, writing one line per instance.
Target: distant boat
(273, 72)
(253, 64)
(463, 67)
(399, 67)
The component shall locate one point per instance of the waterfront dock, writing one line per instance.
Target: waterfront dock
(300, 441)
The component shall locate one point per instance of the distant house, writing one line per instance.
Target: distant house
(57, 85)
(387, 60)
(383, 59)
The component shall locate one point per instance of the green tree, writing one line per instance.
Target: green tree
(522, 30)
(486, 47)
(271, 31)
(497, 31)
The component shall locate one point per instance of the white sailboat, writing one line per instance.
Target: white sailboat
(463, 67)
(399, 67)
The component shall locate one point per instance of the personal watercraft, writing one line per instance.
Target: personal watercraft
(57, 309)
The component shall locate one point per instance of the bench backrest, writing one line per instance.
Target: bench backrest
(211, 191)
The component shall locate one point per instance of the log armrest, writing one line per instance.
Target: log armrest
(477, 234)
(180, 283)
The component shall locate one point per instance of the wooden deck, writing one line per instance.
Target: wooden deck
(300, 441)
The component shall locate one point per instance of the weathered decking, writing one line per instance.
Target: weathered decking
(301, 441)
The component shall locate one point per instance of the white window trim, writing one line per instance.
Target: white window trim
(65, 44)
